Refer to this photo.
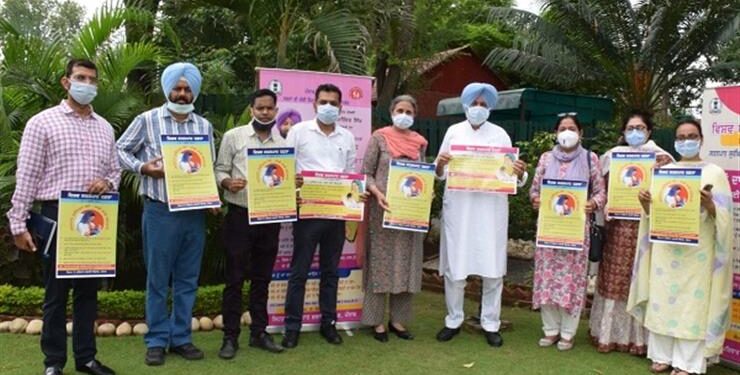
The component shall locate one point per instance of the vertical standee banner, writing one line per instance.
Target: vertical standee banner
(721, 127)
(296, 91)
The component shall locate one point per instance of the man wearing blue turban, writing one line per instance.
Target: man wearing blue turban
(474, 224)
(173, 241)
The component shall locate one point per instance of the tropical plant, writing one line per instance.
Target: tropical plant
(31, 68)
(286, 26)
(641, 55)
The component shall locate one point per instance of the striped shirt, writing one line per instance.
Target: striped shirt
(141, 143)
(61, 151)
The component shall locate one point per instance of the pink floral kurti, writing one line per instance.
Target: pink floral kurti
(560, 276)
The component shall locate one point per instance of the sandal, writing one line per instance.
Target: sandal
(548, 341)
(565, 345)
(657, 368)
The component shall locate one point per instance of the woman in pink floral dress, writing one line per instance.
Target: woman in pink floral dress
(560, 276)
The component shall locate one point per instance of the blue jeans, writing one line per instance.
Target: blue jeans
(173, 249)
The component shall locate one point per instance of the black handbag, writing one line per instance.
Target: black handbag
(597, 233)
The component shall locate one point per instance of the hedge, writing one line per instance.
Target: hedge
(120, 304)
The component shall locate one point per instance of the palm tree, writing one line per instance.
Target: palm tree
(641, 56)
(334, 32)
(30, 71)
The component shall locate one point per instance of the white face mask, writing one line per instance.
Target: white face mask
(568, 138)
(477, 115)
(403, 121)
(182, 109)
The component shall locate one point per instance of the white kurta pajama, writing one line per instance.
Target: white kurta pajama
(474, 233)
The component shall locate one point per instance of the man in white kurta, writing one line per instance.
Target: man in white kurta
(474, 225)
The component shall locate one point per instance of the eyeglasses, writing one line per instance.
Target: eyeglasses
(691, 137)
(567, 114)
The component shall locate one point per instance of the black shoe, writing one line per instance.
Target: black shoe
(188, 351)
(264, 342)
(154, 357)
(53, 370)
(446, 334)
(405, 335)
(380, 336)
(329, 332)
(290, 339)
(228, 349)
(494, 338)
(96, 368)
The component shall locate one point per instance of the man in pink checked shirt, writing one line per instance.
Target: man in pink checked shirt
(66, 147)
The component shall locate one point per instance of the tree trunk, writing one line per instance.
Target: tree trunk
(389, 76)
(391, 81)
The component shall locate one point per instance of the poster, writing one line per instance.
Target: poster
(329, 195)
(349, 295)
(188, 172)
(629, 172)
(410, 191)
(675, 207)
(86, 235)
(295, 91)
(561, 223)
(271, 193)
(482, 169)
(721, 128)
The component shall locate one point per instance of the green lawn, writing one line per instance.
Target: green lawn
(360, 354)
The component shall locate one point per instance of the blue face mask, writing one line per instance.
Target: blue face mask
(182, 109)
(477, 115)
(327, 114)
(635, 137)
(82, 93)
(688, 148)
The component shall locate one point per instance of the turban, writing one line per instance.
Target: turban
(174, 72)
(292, 114)
(475, 90)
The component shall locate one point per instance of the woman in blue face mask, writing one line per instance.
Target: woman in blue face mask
(682, 293)
(610, 326)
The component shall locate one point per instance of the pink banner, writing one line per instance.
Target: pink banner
(734, 178)
(296, 92)
(721, 127)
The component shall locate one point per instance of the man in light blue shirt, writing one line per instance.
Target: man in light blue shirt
(173, 241)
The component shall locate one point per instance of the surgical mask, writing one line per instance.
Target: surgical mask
(687, 148)
(477, 115)
(262, 126)
(82, 93)
(635, 137)
(182, 109)
(403, 121)
(568, 138)
(327, 114)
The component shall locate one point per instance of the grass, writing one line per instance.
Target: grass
(360, 354)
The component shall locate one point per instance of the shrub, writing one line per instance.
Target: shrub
(120, 304)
